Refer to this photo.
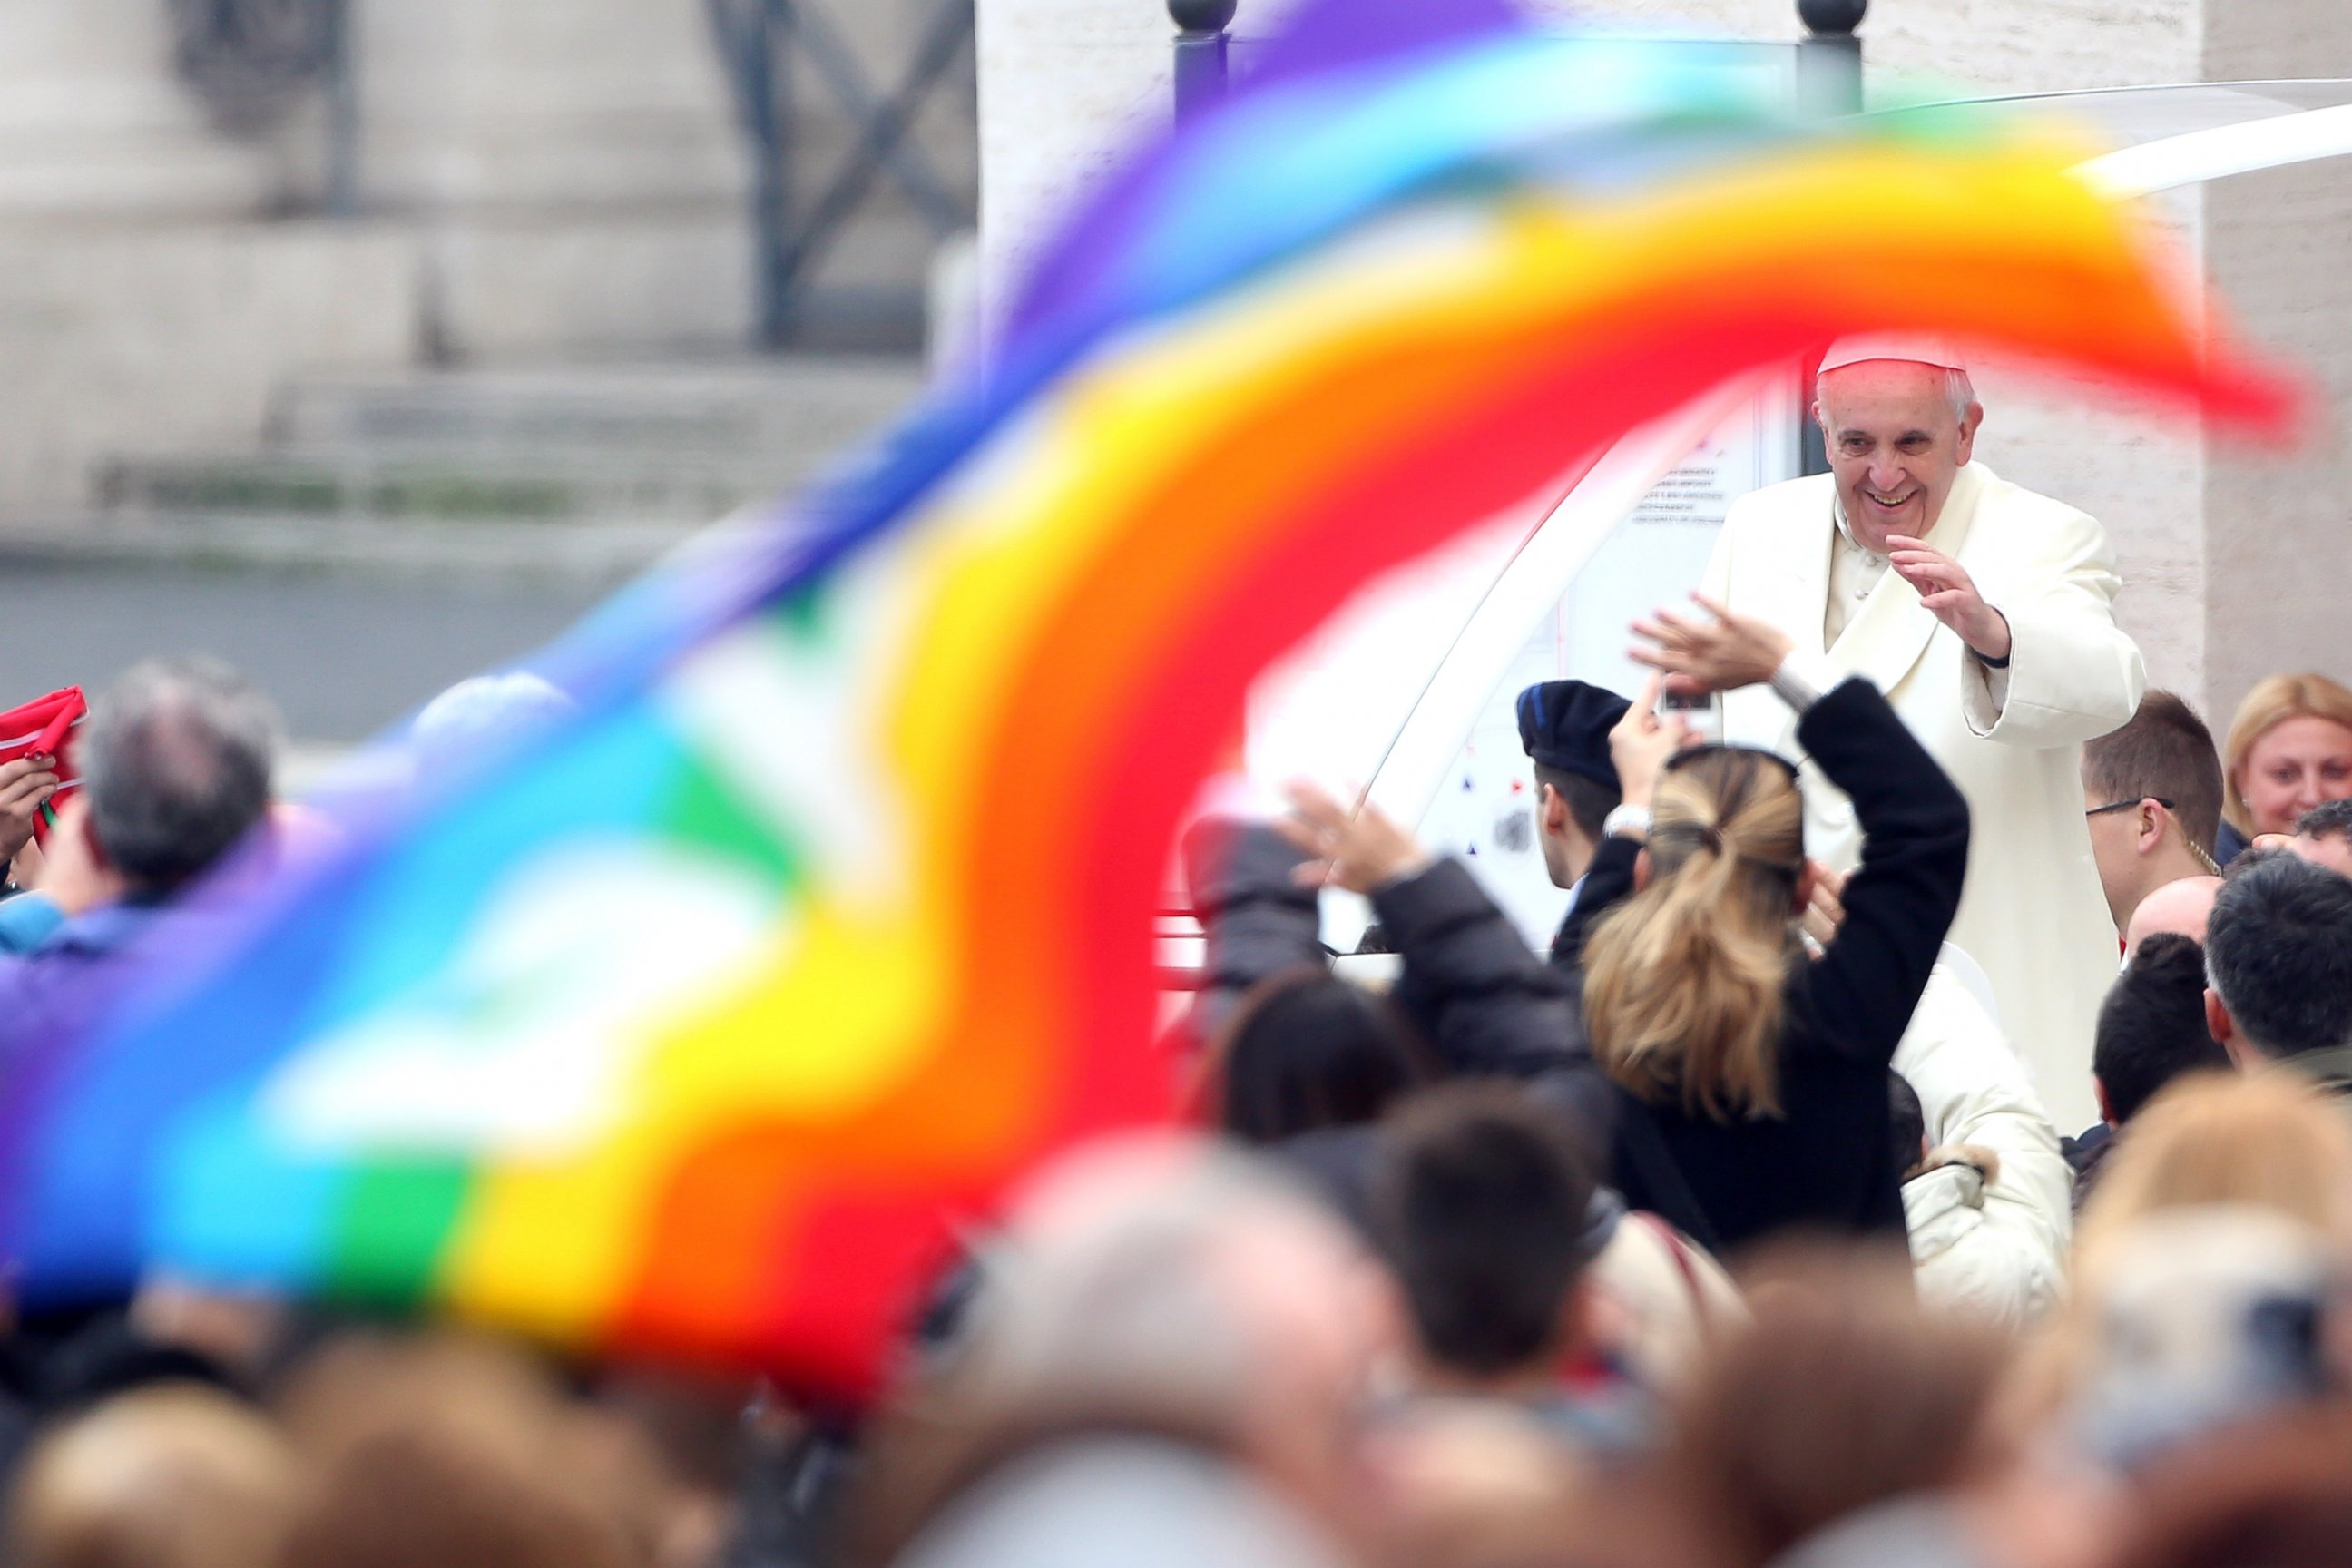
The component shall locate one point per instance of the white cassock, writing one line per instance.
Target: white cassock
(2032, 914)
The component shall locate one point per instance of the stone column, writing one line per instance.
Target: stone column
(1065, 86)
(2278, 525)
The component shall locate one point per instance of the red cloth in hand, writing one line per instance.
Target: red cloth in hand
(47, 726)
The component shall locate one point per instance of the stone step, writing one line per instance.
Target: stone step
(564, 470)
(784, 416)
(683, 443)
(476, 550)
(337, 485)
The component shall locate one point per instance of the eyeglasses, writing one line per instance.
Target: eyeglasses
(2195, 848)
(2128, 805)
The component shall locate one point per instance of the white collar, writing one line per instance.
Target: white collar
(1845, 528)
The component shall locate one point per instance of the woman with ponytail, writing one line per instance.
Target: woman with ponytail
(1752, 1080)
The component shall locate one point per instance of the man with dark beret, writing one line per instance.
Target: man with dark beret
(1564, 725)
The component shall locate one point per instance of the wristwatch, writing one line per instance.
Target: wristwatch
(1631, 821)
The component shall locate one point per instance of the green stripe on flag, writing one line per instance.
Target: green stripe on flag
(706, 812)
(396, 1222)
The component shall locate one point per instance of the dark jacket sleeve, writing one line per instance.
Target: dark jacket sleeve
(1257, 921)
(1900, 901)
(1489, 1004)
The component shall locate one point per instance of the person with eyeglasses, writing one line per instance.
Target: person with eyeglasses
(2152, 796)
(1753, 1078)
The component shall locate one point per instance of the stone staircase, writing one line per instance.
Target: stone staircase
(578, 470)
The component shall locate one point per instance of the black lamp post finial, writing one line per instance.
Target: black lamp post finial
(1203, 16)
(1831, 17)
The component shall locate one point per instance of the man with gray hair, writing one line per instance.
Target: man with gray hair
(2278, 968)
(175, 763)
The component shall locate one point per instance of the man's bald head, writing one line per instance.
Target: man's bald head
(2181, 906)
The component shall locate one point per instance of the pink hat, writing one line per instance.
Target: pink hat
(1917, 350)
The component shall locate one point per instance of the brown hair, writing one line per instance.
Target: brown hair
(2166, 752)
(448, 1451)
(1682, 982)
(1838, 1393)
(2275, 700)
(2278, 1495)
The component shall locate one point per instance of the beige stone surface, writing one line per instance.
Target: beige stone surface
(171, 339)
(549, 103)
(92, 125)
(542, 178)
(2279, 526)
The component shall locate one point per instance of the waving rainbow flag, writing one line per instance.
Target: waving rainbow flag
(695, 1029)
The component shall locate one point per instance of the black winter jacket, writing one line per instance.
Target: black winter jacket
(1489, 1005)
(1828, 1162)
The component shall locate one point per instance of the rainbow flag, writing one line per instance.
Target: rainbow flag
(697, 1028)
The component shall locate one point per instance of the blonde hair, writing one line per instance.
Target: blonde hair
(2275, 700)
(2268, 1139)
(1682, 982)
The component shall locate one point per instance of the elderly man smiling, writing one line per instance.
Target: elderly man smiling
(1986, 613)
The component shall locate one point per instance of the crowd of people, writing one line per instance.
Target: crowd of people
(1733, 1229)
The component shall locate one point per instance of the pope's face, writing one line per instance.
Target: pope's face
(1895, 444)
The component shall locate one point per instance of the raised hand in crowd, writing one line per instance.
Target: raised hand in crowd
(25, 784)
(1722, 653)
(1825, 909)
(71, 873)
(1641, 743)
(1359, 852)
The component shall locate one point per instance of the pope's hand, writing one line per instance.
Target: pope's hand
(1950, 595)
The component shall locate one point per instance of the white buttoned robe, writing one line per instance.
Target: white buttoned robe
(2031, 913)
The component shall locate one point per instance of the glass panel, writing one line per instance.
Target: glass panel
(2128, 116)
(1484, 812)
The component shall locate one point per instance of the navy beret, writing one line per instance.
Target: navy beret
(1565, 725)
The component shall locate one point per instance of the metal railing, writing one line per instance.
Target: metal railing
(253, 61)
(1828, 82)
(763, 42)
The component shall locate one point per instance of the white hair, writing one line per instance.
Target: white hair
(1115, 1288)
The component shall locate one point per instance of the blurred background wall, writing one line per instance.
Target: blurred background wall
(475, 306)
(203, 203)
